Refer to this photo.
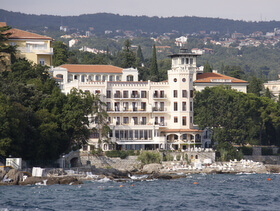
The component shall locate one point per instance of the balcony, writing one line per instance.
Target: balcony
(159, 96)
(135, 96)
(47, 51)
(117, 95)
(160, 109)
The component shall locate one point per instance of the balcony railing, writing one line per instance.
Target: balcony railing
(159, 109)
(160, 96)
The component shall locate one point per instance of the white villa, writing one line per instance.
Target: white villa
(273, 86)
(142, 114)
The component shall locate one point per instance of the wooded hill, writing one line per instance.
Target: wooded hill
(106, 21)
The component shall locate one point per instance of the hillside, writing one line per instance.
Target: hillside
(105, 21)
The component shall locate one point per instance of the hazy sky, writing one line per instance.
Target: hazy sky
(254, 10)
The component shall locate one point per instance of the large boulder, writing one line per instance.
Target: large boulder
(152, 168)
(32, 181)
(15, 176)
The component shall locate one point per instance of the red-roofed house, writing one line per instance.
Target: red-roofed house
(215, 79)
(34, 47)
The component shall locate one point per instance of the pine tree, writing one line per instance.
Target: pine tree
(207, 68)
(128, 58)
(154, 66)
(139, 57)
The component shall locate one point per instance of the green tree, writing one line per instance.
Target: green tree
(6, 50)
(61, 54)
(207, 68)
(255, 86)
(154, 74)
(267, 93)
(127, 57)
(139, 57)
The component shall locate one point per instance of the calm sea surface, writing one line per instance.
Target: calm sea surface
(196, 192)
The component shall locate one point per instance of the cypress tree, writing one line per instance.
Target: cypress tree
(139, 56)
(154, 65)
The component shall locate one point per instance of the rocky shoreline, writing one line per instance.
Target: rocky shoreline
(164, 171)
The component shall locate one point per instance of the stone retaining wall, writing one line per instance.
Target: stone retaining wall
(130, 163)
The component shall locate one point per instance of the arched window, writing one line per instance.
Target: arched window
(129, 78)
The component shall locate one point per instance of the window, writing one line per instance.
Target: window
(125, 94)
(108, 106)
(161, 106)
(117, 94)
(184, 79)
(162, 120)
(175, 119)
(184, 106)
(125, 120)
(134, 106)
(175, 106)
(143, 94)
(155, 94)
(191, 93)
(97, 91)
(175, 93)
(129, 78)
(144, 120)
(175, 79)
(156, 120)
(191, 120)
(182, 60)
(184, 93)
(191, 60)
(191, 106)
(143, 106)
(117, 106)
(42, 61)
(125, 106)
(161, 94)
(134, 94)
(184, 120)
(108, 93)
(187, 60)
(135, 119)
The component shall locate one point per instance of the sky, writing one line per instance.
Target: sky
(248, 10)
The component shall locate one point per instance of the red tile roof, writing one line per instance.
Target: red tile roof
(20, 34)
(2, 24)
(216, 77)
(85, 68)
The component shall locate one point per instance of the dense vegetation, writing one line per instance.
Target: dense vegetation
(236, 118)
(37, 121)
(105, 21)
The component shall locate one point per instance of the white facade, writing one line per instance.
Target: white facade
(142, 114)
(273, 86)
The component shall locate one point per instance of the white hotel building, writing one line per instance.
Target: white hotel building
(142, 114)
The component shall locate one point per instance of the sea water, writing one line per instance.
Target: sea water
(195, 192)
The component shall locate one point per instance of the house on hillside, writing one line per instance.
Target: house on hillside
(212, 79)
(273, 86)
(34, 47)
(142, 114)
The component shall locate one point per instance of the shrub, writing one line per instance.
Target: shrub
(267, 151)
(168, 157)
(149, 157)
(246, 150)
(116, 154)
